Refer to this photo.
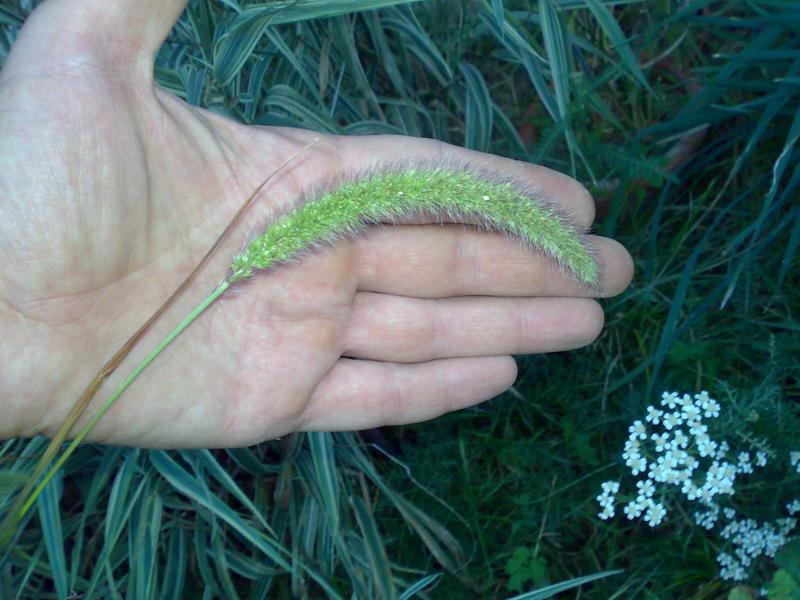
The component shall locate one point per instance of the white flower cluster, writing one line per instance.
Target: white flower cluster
(671, 448)
(750, 540)
(666, 447)
(606, 499)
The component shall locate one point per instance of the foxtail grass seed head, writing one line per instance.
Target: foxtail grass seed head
(455, 193)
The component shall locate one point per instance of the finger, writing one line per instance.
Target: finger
(452, 260)
(574, 201)
(400, 329)
(359, 394)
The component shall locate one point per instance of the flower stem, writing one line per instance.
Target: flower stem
(122, 387)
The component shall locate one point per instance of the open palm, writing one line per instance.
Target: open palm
(111, 190)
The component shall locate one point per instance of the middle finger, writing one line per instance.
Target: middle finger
(401, 329)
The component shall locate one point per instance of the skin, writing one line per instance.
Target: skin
(111, 190)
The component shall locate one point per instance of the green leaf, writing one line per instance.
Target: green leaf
(420, 586)
(380, 568)
(557, 588)
(478, 115)
(50, 517)
(620, 42)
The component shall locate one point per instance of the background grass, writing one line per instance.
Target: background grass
(682, 118)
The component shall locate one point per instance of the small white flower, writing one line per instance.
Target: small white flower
(793, 507)
(761, 458)
(702, 398)
(690, 413)
(744, 465)
(612, 487)
(672, 476)
(606, 513)
(672, 419)
(646, 488)
(638, 466)
(661, 441)
(711, 409)
(653, 415)
(638, 430)
(633, 509)
(669, 399)
(680, 439)
(655, 514)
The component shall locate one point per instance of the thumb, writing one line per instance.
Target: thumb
(120, 32)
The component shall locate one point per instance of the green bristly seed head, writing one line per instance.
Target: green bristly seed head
(442, 191)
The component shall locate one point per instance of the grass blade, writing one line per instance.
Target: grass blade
(557, 588)
(478, 115)
(50, 517)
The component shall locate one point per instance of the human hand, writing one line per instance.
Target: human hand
(112, 189)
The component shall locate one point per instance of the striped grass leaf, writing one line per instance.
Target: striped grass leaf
(207, 462)
(386, 57)
(121, 503)
(326, 476)
(194, 82)
(248, 566)
(23, 580)
(344, 41)
(175, 567)
(313, 521)
(416, 41)
(191, 487)
(478, 114)
(144, 530)
(255, 86)
(292, 11)
(555, 43)
(376, 127)
(379, 567)
(9, 16)
(52, 533)
(556, 39)
(618, 40)
(201, 537)
(91, 507)
(420, 586)
(216, 552)
(499, 12)
(300, 112)
(11, 482)
(440, 542)
(201, 22)
(778, 170)
(509, 132)
(236, 45)
(523, 53)
(276, 39)
(556, 588)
